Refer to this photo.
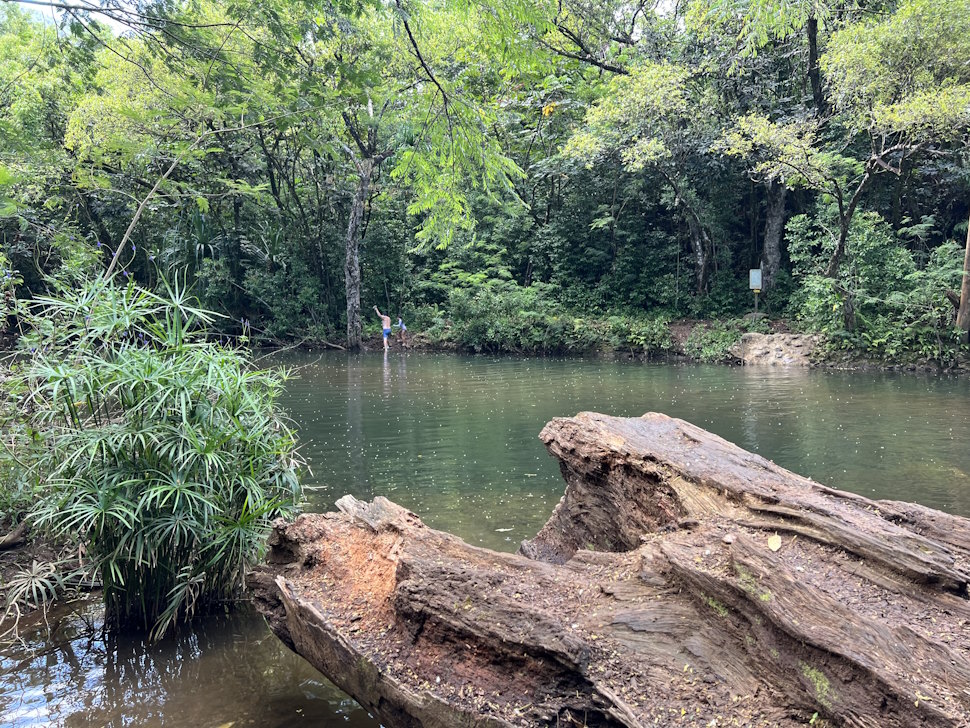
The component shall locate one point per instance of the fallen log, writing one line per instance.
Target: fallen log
(680, 581)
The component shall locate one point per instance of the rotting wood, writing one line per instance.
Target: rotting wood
(650, 597)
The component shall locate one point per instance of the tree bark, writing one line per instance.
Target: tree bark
(846, 212)
(700, 244)
(700, 238)
(680, 581)
(963, 313)
(365, 169)
(774, 231)
(814, 72)
(835, 263)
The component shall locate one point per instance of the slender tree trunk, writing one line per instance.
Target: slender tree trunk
(699, 244)
(963, 314)
(899, 189)
(835, 262)
(845, 221)
(774, 230)
(848, 307)
(270, 171)
(814, 72)
(352, 262)
(700, 239)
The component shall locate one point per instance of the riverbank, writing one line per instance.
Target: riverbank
(37, 570)
(736, 341)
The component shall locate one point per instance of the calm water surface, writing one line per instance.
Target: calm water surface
(454, 439)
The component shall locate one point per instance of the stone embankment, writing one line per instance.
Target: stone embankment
(787, 350)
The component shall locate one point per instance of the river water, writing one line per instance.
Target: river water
(454, 439)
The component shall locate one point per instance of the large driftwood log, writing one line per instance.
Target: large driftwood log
(680, 581)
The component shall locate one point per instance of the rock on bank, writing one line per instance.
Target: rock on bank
(784, 350)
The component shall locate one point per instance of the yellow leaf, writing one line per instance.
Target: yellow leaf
(774, 542)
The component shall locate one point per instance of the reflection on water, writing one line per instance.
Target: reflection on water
(225, 671)
(455, 439)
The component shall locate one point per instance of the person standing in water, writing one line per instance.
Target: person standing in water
(385, 324)
(403, 332)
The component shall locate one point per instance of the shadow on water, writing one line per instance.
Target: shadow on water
(455, 439)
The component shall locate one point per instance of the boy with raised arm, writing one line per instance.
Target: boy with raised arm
(385, 324)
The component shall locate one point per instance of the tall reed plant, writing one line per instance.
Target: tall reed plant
(165, 453)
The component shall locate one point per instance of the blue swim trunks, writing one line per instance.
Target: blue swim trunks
(387, 332)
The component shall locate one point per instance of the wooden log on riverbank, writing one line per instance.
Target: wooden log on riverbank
(680, 581)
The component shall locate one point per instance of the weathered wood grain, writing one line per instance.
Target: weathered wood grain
(650, 597)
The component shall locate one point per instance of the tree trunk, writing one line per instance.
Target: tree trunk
(846, 214)
(699, 245)
(352, 261)
(774, 231)
(814, 72)
(963, 313)
(680, 581)
(700, 239)
(848, 304)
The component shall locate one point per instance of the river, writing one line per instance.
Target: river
(454, 439)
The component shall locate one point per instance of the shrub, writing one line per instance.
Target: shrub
(505, 317)
(164, 453)
(713, 343)
(649, 335)
(508, 318)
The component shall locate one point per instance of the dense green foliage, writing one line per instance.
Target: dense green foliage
(161, 454)
(895, 303)
(509, 318)
(714, 342)
(618, 159)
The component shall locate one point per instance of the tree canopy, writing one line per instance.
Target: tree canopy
(300, 162)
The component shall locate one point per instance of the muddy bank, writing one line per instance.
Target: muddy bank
(35, 573)
(681, 580)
